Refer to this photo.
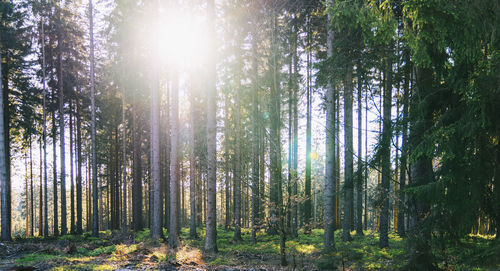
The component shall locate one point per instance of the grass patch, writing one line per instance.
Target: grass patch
(102, 251)
(30, 259)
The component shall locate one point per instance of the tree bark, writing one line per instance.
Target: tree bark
(274, 141)
(72, 192)
(173, 240)
(32, 204)
(237, 166)
(348, 153)
(54, 172)
(156, 229)
(192, 168)
(211, 223)
(4, 180)
(255, 140)
(330, 176)
(404, 150)
(79, 203)
(359, 176)
(95, 206)
(62, 150)
(124, 166)
(44, 138)
(385, 149)
(421, 257)
(307, 200)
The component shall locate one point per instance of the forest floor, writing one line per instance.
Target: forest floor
(129, 251)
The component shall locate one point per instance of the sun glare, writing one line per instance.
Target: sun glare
(181, 38)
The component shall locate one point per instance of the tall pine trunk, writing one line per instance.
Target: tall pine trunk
(44, 139)
(124, 166)
(237, 166)
(211, 223)
(54, 173)
(4, 180)
(156, 229)
(330, 176)
(192, 167)
(307, 202)
(420, 254)
(359, 175)
(79, 162)
(385, 149)
(404, 149)
(60, 87)
(348, 154)
(173, 239)
(255, 140)
(95, 206)
(72, 192)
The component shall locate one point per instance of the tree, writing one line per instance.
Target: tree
(44, 135)
(348, 154)
(211, 220)
(4, 180)
(62, 150)
(173, 239)
(307, 203)
(79, 204)
(385, 150)
(330, 152)
(275, 193)
(255, 139)
(237, 165)
(359, 175)
(55, 224)
(156, 229)
(404, 148)
(192, 167)
(95, 206)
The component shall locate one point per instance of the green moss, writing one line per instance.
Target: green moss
(222, 260)
(30, 259)
(142, 236)
(102, 251)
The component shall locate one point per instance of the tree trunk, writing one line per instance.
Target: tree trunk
(227, 162)
(237, 167)
(95, 206)
(32, 205)
(348, 153)
(174, 164)
(359, 176)
(365, 167)
(72, 192)
(79, 203)
(274, 141)
(60, 87)
(386, 157)
(307, 201)
(211, 223)
(330, 176)
(421, 257)
(404, 150)
(4, 180)
(26, 196)
(255, 140)
(124, 166)
(54, 171)
(156, 229)
(44, 138)
(295, 151)
(192, 168)
(40, 194)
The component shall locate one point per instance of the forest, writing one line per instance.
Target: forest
(250, 135)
